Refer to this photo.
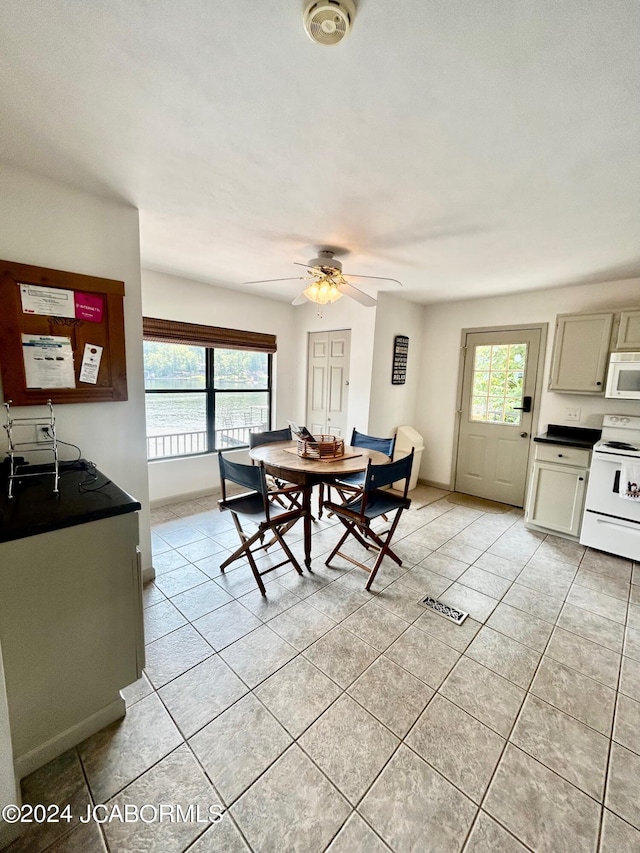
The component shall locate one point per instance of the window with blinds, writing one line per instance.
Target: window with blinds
(206, 387)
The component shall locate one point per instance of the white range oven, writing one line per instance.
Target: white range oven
(611, 519)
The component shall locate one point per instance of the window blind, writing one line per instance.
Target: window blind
(193, 334)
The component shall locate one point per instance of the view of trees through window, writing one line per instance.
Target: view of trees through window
(200, 399)
(498, 379)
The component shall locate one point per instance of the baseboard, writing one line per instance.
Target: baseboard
(435, 485)
(46, 752)
(188, 496)
(148, 575)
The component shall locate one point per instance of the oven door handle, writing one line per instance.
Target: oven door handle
(616, 483)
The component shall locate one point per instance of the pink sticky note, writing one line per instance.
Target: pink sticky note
(89, 306)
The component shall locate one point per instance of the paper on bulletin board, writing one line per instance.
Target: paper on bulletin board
(51, 301)
(48, 361)
(90, 363)
(89, 306)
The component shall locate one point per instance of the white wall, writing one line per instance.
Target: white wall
(49, 224)
(344, 314)
(441, 350)
(169, 297)
(395, 405)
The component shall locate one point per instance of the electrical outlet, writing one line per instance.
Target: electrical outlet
(43, 433)
(572, 414)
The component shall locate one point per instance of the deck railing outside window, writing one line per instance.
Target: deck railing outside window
(186, 443)
(203, 399)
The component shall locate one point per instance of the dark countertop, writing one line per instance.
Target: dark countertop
(85, 495)
(569, 436)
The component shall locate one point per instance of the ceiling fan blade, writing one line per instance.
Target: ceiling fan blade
(358, 295)
(270, 280)
(378, 277)
(300, 299)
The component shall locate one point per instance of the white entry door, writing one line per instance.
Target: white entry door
(499, 381)
(328, 382)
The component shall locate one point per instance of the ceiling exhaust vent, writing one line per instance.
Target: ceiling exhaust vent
(329, 21)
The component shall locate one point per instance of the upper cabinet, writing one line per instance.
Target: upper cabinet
(580, 352)
(629, 330)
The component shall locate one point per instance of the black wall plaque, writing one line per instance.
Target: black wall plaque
(400, 350)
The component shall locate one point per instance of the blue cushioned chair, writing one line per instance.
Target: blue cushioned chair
(351, 483)
(255, 506)
(359, 511)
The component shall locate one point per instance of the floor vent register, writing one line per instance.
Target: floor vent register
(452, 613)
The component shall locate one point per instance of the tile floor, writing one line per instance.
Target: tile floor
(323, 717)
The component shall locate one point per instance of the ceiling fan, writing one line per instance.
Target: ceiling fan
(326, 282)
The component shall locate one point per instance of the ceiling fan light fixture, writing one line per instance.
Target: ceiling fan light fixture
(323, 291)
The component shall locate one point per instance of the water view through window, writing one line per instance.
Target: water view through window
(200, 399)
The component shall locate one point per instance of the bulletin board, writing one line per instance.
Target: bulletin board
(61, 336)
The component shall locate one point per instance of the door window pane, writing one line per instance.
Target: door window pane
(517, 356)
(495, 410)
(498, 383)
(173, 366)
(239, 369)
(483, 358)
(479, 408)
(499, 357)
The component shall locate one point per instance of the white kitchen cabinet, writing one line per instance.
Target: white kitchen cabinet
(72, 635)
(71, 627)
(580, 353)
(557, 489)
(628, 337)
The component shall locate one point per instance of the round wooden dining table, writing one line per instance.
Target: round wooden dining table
(282, 461)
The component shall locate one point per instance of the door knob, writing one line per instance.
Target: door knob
(525, 407)
(524, 434)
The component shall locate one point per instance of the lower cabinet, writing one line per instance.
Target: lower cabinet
(557, 489)
(71, 633)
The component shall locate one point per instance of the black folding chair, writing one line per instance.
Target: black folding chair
(280, 491)
(254, 506)
(353, 483)
(357, 513)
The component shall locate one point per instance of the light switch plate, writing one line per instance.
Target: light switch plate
(572, 414)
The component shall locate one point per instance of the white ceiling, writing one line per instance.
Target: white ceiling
(466, 148)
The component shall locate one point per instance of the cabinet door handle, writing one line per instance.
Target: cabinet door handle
(580, 478)
(598, 383)
(560, 455)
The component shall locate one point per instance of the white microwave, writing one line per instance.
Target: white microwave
(623, 378)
